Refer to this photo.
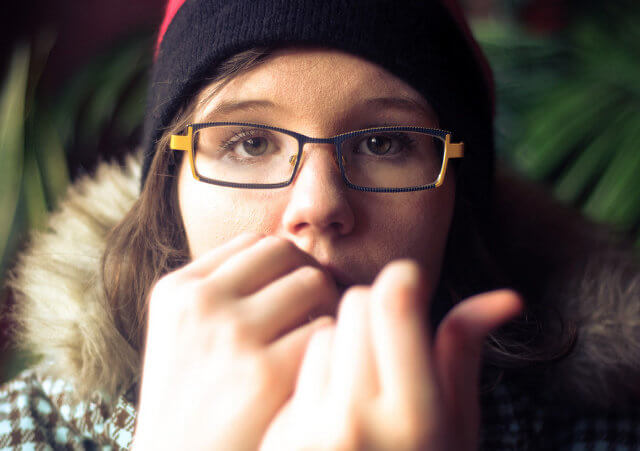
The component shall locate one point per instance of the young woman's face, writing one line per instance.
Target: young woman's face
(322, 93)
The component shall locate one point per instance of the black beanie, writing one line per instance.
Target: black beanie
(426, 43)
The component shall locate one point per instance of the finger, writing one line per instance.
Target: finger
(254, 267)
(400, 335)
(289, 350)
(314, 372)
(287, 302)
(211, 260)
(352, 374)
(458, 351)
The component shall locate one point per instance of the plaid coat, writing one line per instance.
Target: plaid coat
(40, 412)
(83, 393)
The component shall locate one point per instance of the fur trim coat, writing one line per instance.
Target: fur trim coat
(84, 391)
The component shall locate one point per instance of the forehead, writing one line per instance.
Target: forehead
(312, 83)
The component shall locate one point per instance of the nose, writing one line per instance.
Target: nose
(318, 202)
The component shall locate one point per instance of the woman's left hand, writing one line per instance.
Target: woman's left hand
(375, 381)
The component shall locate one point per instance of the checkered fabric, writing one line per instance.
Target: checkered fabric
(520, 416)
(40, 413)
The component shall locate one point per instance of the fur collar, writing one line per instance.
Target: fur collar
(61, 312)
(62, 316)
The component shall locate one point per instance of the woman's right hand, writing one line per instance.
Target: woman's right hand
(225, 340)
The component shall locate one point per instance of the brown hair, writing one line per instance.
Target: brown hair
(150, 242)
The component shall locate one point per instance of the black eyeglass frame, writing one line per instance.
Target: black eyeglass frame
(186, 143)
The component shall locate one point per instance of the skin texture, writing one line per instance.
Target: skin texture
(231, 358)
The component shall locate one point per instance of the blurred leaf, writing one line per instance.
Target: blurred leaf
(35, 200)
(86, 103)
(595, 45)
(131, 111)
(40, 50)
(564, 120)
(12, 107)
(616, 196)
(120, 69)
(568, 108)
(591, 162)
(50, 157)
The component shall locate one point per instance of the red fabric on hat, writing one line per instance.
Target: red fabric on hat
(172, 8)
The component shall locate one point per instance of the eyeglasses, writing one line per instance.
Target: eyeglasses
(254, 156)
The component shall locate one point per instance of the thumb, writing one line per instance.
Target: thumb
(458, 351)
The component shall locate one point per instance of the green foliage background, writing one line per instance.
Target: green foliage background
(568, 115)
(102, 105)
(569, 109)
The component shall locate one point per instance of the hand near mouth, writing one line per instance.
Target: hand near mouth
(375, 380)
(225, 339)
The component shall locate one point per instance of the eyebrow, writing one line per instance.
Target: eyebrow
(400, 103)
(230, 106)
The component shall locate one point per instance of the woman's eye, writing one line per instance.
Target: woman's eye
(377, 145)
(255, 146)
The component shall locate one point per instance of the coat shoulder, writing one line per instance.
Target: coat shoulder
(61, 312)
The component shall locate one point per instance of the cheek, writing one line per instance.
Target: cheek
(212, 215)
(416, 225)
(436, 211)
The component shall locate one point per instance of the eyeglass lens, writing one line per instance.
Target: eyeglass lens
(378, 159)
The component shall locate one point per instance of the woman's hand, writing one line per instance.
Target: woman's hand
(225, 341)
(375, 381)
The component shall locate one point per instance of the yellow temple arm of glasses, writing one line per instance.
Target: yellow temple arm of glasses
(456, 150)
(179, 142)
(453, 150)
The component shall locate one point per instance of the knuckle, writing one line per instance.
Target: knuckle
(204, 291)
(161, 290)
(169, 307)
(231, 330)
(313, 277)
(198, 298)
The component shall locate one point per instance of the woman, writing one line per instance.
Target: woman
(311, 262)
